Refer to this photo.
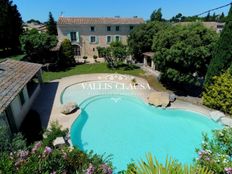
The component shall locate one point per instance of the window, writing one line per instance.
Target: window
(117, 38)
(92, 28)
(77, 50)
(92, 39)
(131, 27)
(22, 99)
(117, 28)
(73, 36)
(108, 39)
(108, 28)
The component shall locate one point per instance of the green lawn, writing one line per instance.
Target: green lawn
(102, 68)
(15, 57)
(88, 69)
(18, 57)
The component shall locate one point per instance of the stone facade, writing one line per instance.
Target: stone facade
(89, 33)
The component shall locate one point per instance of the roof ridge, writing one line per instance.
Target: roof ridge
(85, 17)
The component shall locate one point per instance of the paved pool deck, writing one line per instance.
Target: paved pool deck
(48, 103)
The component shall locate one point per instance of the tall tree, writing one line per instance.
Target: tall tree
(222, 17)
(208, 17)
(10, 26)
(51, 25)
(176, 18)
(222, 57)
(156, 15)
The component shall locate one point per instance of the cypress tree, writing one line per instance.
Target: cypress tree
(10, 26)
(51, 25)
(222, 57)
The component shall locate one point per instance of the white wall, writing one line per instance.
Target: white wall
(19, 111)
(16, 111)
(87, 48)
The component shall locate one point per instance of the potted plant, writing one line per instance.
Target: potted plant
(134, 82)
(95, 58)
(85, 58)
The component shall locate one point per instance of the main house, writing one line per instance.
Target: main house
(19, 85)
(86, 34)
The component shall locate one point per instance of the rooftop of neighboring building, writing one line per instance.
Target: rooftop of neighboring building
(34, 25)
(14, 75)
(99, 20)
(213, 25)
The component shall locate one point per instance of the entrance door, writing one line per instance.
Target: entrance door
(77, 50)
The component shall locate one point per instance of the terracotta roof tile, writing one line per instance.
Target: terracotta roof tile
(14, 75)
(85, 20)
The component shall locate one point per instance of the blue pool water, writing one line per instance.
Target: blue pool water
(127, 128)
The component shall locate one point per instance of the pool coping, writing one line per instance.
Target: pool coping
(64, 83)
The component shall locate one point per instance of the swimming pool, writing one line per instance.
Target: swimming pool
(127, 128)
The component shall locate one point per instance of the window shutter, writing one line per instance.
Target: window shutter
(106, 38)
(97, 39)
(89, 39)
(78, 36)
(69, 36)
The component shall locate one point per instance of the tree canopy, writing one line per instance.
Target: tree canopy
(10, 26)
(182, 53)
(115, 54)
(222, 56)
(208, 18)
(51, 25)
(141, 38)
(34, 21)
(37, 45)
(156, 15)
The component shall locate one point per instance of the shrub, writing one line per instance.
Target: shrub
(152, 166)
(53, 132)
(66, 55)
(216, 152)
(42, 157)
(104, 52)
(4, 139)
(218, 95)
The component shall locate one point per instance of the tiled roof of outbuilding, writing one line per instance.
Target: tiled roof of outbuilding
(85, 20)
(14, 75)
